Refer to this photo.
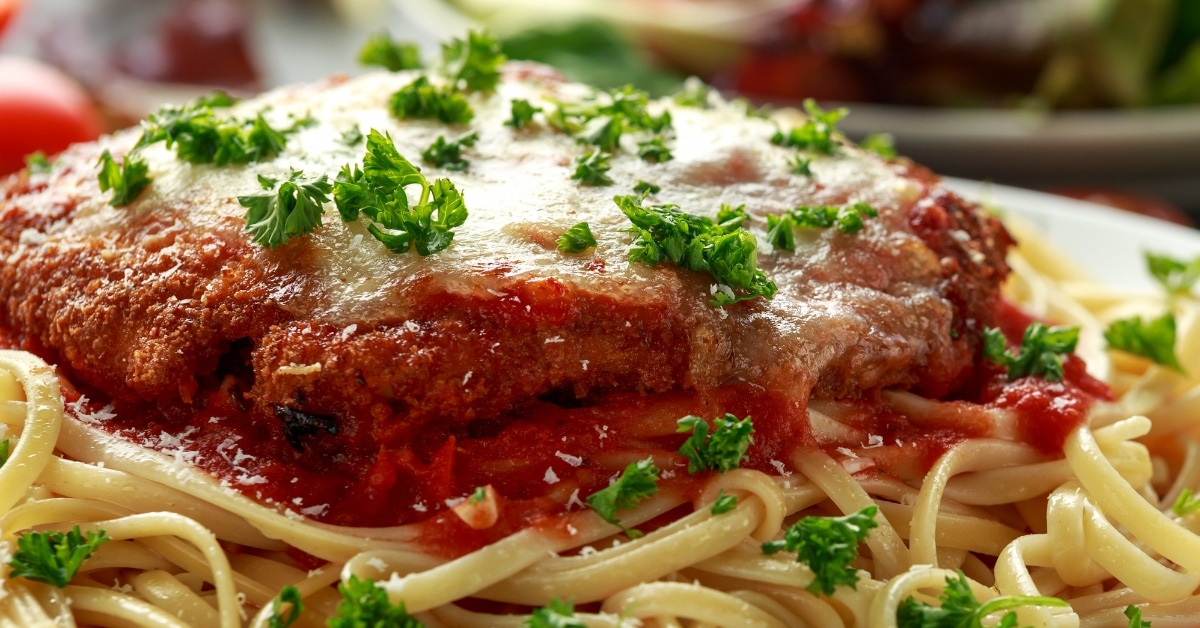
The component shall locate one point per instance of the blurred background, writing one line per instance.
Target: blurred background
(1092, 98)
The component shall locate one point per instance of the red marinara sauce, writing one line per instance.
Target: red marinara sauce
(1046, 412)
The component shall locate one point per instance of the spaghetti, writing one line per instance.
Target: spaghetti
(1090, 523)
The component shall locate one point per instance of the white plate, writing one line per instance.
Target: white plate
(1154, 151)
(1108, 242)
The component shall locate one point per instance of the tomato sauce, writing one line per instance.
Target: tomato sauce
(546, 457)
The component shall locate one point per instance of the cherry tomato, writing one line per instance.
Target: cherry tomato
(40, 109)
(8, 8)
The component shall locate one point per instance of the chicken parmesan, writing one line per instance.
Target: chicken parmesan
(361, 385)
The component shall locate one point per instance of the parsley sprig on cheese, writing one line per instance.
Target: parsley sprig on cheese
(378, 191)
(383, 51)
(470, 65)
(664, 233)
(577, 239)
(817, 134)
(827, 545)
(126, 180)
(846, 219)
(960, 609)
(448, 153)
(423, 100)
(638, 482)
(1041, 353)
(289, 209)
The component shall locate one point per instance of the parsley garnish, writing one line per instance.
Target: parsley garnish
(53, 557)
(723, 450)
(352, 137)
(37, 163)
(1154, 339)
(383, 51)
(421, 99)
(817, 133)
(592, 169)
(200, 136)
(960, 609)
(1041, 355)
(289, 595)
(126, 180)
(291, 211)
(522, 113)
(1176, 276)
(577, 239)
(478, 496)
(654, 151)
(637, 483)
(801, 165)
(473, 65)
(556, 614)
(723, 504)
(1186, 504)
(882, 144)
(723, 249)
(365, 605)
(827, 545)
(1135, 617)
(377, 191)
(609, 118)
(646, 188)
(3, 451)
(695, 93)
(847, 219)
(448, 154)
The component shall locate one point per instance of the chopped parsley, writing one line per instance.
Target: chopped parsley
(37, 163)
(602, 122)
(288, 209)
(723, 450)
(827, 545)
(638, 482)
(279, 619)
(556, 614)
(882, 144)
(448, 154)
(521, 113)
(4, 445)
(817, 133)
(646, 188)
(126, 180)
(654, 151)
(1178, 277)
(473, 64)
(577, 239)
(960, 609)
(53, 557)
(1041, 354)
(201, 136)
(383, 51)
(378, 191)
(801, 165)
(366, 605)
(1134, 614)
(846, 219)
(592, 169)
(695, 93)
(729, 253)
(1153, 339)
(478, 496)
(1187, 503)
(421, 99)
(723, 504)
(353, 136)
